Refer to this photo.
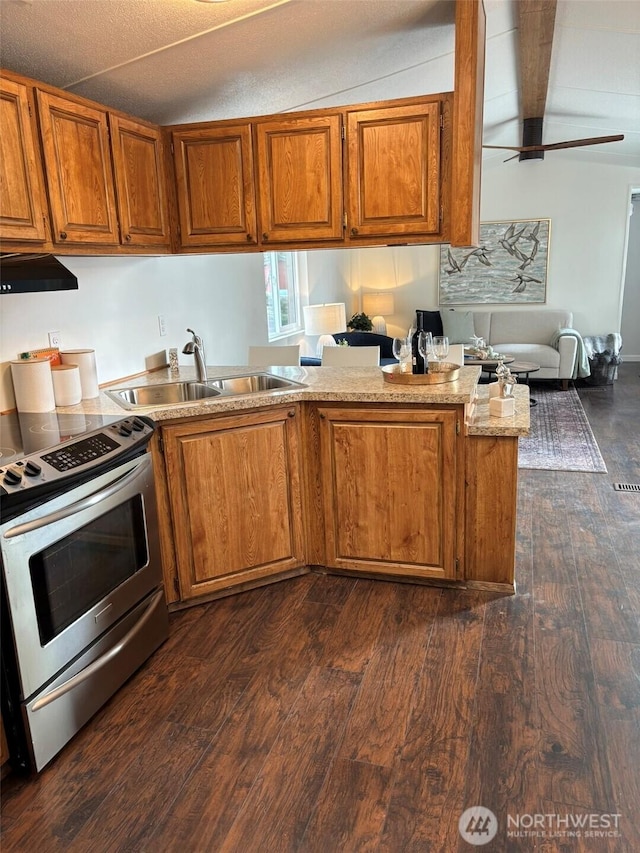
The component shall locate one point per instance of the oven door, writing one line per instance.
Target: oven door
(76, 564)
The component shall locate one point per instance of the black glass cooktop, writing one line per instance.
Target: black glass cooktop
(22, 434)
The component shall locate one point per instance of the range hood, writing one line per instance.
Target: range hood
(34, 274)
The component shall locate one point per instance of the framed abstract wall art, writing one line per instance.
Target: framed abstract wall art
(508, 266)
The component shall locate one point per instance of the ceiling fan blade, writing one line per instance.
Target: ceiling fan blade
(578, 143)
(556, 146)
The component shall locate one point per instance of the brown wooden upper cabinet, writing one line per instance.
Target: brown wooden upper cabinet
(300, 178)
(22, 198)
(394, 180)
(75, 141)
(140, 182)
(215, 185)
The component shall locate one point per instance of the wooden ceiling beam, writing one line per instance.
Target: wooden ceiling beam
(536, 22)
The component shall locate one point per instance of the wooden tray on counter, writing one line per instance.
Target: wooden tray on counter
(439, 372)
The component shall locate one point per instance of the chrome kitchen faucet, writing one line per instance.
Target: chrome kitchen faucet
(195, 347)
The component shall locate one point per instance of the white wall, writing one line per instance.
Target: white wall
(588, 205)
(115, 311)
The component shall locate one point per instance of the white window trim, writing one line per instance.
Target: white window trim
(295, 329)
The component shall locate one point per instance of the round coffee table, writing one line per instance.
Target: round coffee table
(518, 368)
(487, 363)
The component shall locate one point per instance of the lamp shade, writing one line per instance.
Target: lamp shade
(378, 303)
(324, 319)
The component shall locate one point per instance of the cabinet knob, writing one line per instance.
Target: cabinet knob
(354, 231)
(128, 238)
(265, 236)
(291, 413)
(249, 238)
(322, 416)
(63, 235)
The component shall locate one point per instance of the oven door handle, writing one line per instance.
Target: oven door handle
(104, 659)
(78, 506)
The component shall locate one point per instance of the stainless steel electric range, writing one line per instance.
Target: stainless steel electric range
(82, 599)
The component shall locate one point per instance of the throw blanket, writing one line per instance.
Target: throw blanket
(597, 344)
(581, 367)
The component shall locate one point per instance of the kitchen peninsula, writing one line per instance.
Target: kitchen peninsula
(344, 471)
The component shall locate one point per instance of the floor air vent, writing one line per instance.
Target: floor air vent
(626, 487)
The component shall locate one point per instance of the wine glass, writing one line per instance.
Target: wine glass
(401, 351)
(425, 346)
(440, 347)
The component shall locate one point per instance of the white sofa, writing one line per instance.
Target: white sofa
(527, 335)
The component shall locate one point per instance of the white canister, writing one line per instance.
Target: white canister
(67, 389)
(86, 361)
(33, 385)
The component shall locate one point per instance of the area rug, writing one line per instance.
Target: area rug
(561, 438)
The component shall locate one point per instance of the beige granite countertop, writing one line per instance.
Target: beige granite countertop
(323, 384)
(479, 421)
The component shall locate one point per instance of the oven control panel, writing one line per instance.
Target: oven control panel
(75, 456)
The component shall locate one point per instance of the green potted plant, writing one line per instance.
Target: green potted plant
(360, 323)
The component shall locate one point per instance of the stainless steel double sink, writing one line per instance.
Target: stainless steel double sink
(190, 391)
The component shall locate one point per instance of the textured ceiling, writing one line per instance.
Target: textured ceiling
(181, 60)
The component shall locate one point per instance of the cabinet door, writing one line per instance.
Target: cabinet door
(140, 183)
(300, 178)
(214, 178)
(235, 492)
(77, 157)
(22, 199)
(394, 170)
(389, 485)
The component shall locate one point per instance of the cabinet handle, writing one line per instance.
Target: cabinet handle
(249, 238)
(265, 236)
(322, 416)
(63, 235)
(128, 238)
(291, 413)
(354, 231)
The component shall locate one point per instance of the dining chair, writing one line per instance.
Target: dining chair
(456, 354)
(275, 356)
(351, 356)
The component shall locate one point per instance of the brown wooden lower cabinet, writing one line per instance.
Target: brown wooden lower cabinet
(390, 484)
(235, 499)
(397, 492)
(490, 510)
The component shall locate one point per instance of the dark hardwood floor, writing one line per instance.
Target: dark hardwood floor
(331, 714)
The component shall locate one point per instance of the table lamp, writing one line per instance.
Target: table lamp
(323, 320)
(375, 305)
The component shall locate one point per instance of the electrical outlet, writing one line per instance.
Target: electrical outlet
(162, 325)
(54, 339)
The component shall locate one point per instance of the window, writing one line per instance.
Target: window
(284, 276)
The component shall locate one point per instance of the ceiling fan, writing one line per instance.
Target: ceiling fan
(536, 24)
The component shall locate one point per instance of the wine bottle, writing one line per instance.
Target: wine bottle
(416, 358)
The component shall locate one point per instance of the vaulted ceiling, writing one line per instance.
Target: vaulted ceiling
(182, 60)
